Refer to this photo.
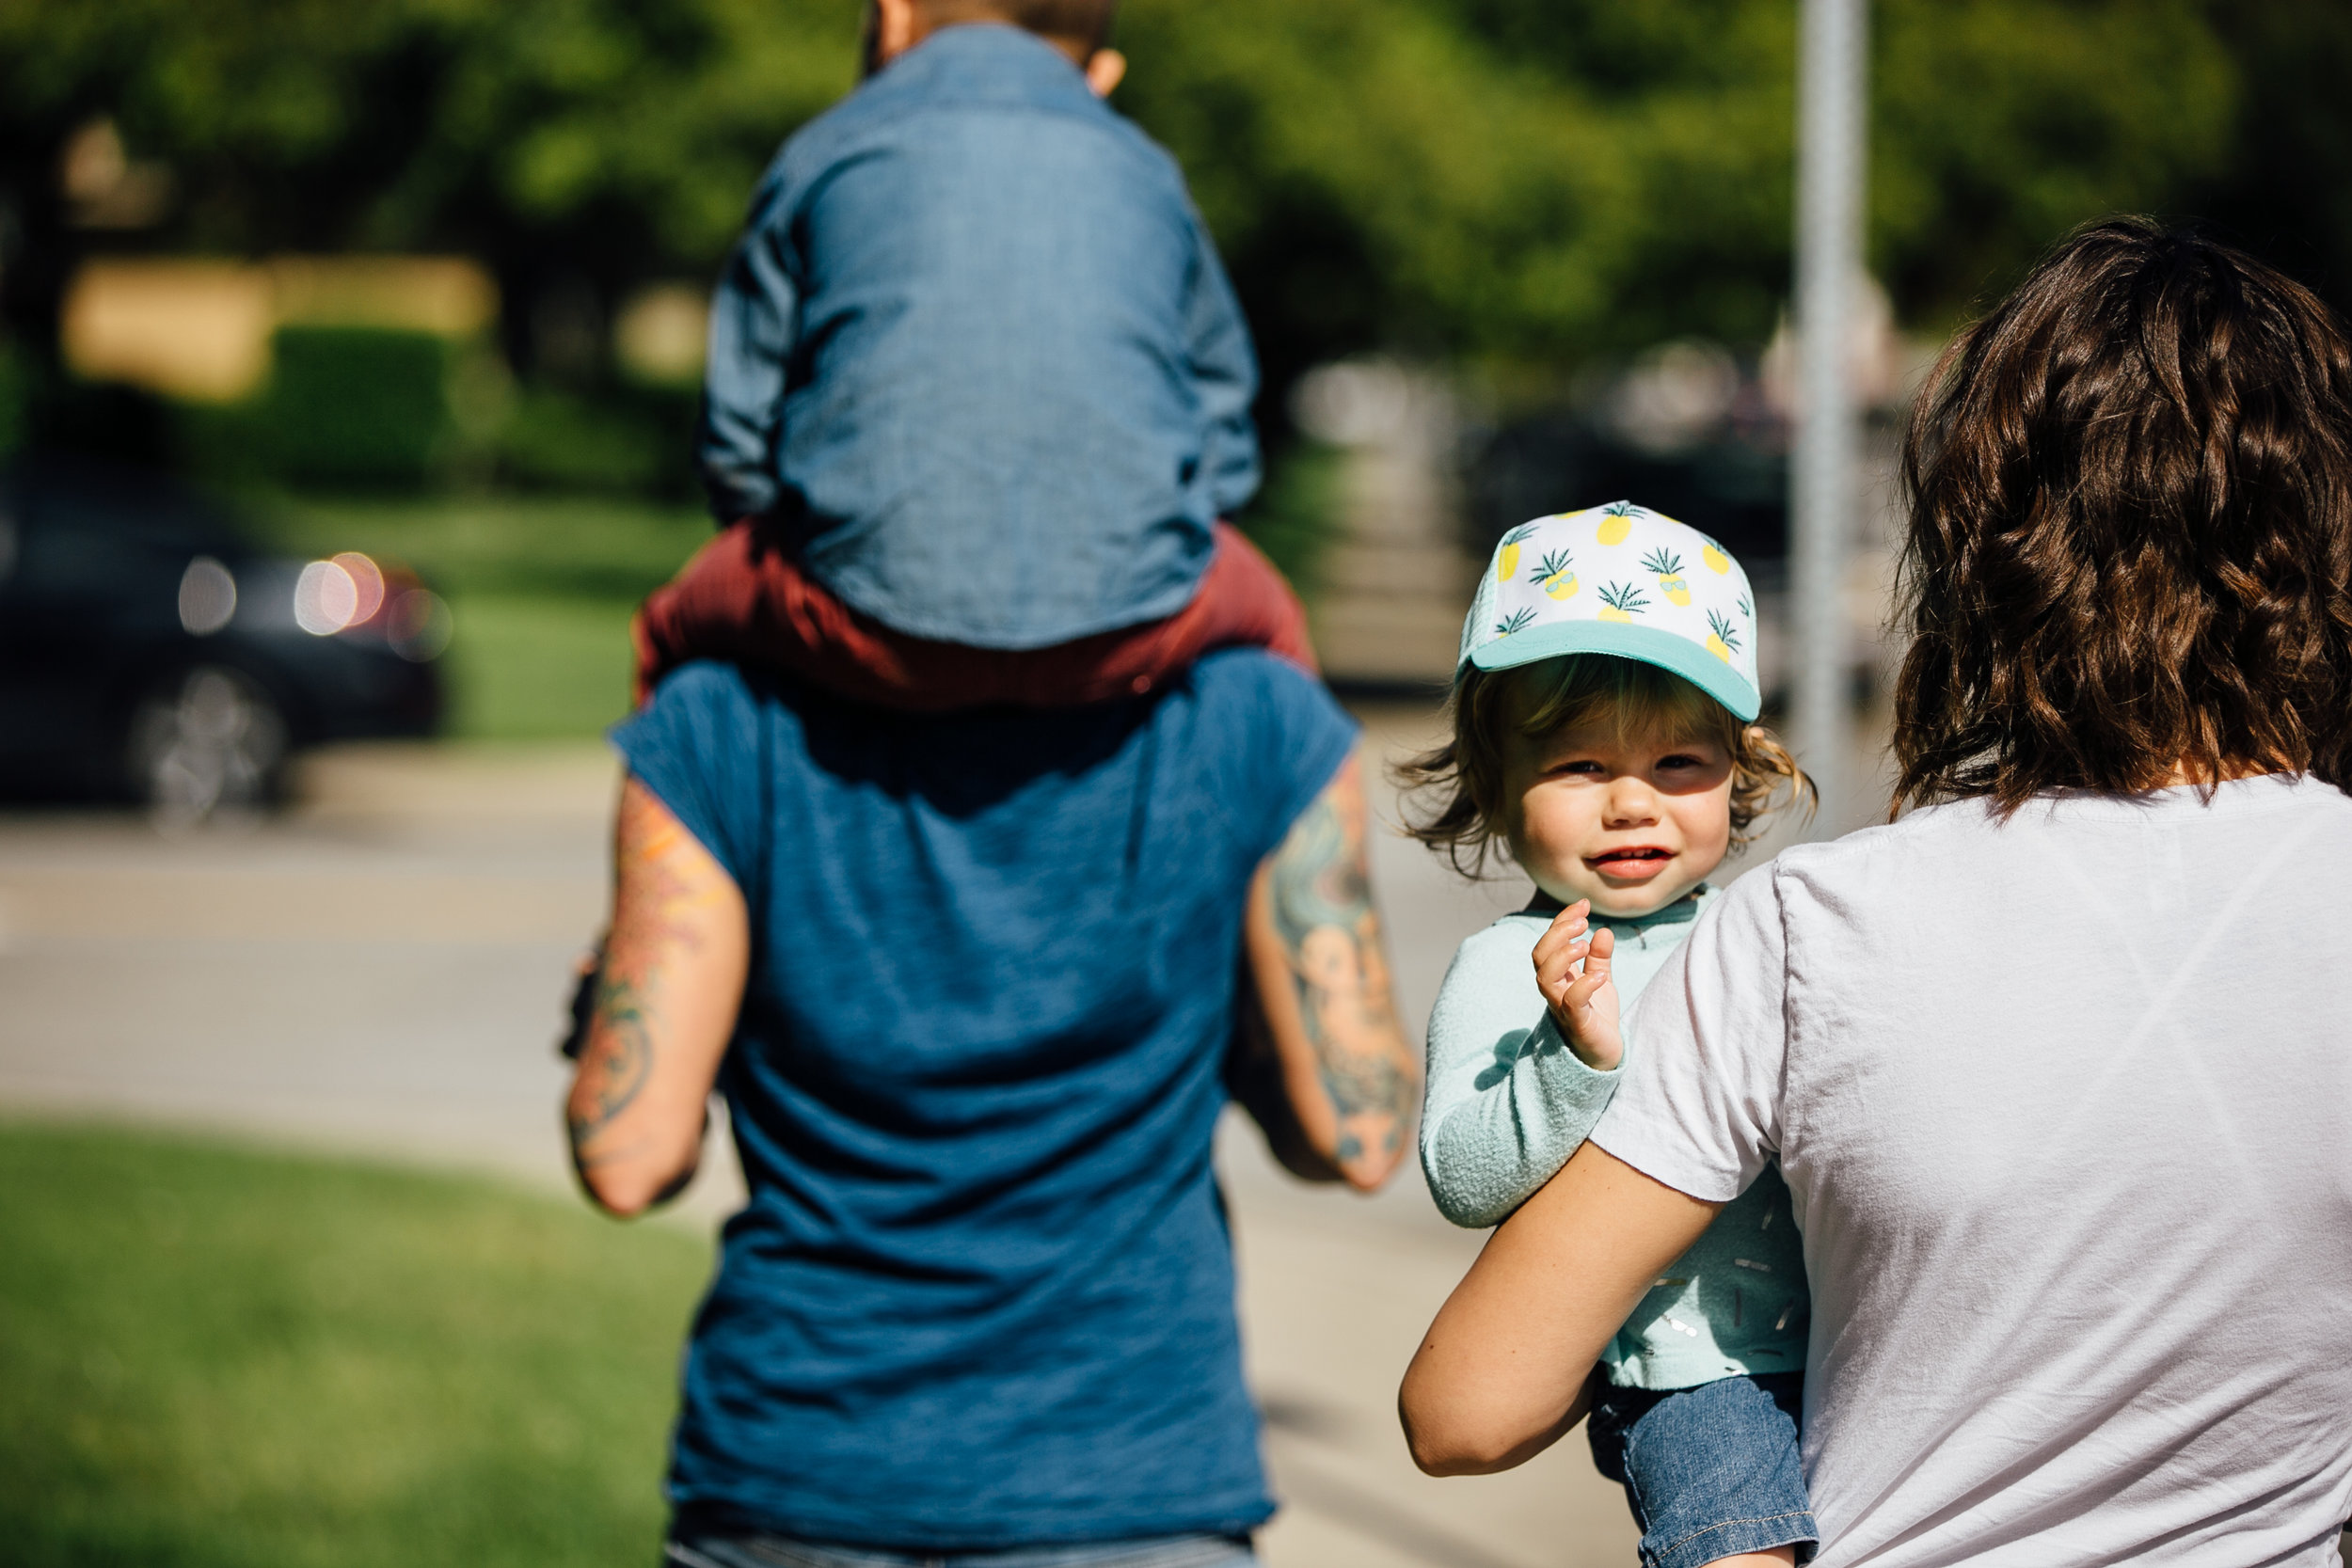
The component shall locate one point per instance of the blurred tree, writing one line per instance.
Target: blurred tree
(1376, 174)
(1539, 180)
(2003, 124)
(1529, 181)
(577, 145)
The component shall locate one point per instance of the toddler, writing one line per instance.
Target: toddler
(978, 392)
(1604, 729)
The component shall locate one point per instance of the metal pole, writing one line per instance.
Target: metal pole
(1821, 480)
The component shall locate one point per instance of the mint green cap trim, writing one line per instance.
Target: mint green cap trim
(1669, 650)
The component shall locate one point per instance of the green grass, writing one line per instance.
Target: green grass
(523, 668)
(213, 1357)
(540, 591)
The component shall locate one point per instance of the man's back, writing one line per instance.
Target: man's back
(978, 353)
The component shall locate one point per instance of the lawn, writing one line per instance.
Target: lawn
(213, 1357)
(540, 591)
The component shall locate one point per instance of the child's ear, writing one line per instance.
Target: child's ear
(1105, 69)
(892, 28)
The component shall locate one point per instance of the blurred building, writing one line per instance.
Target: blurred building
(1396, 577)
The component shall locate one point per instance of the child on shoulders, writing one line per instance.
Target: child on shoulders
(978, 392)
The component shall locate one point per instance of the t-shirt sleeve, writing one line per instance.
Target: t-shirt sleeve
(1706, 1046)
(696, 746)
(1294, 737)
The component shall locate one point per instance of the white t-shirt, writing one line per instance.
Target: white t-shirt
(2065, 1108)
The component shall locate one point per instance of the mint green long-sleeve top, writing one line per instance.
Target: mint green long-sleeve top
(1508, 1102)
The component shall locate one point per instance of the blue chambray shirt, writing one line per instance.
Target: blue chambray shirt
(976, 352)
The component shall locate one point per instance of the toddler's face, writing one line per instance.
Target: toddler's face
(1630, 823)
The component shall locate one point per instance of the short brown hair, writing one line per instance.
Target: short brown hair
(1084, 23)
(1455, 802)
(2130, 551)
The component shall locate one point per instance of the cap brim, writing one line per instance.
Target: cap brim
(1667, 650)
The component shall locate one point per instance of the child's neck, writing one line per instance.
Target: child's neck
(1545, 904)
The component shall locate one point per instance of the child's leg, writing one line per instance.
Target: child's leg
(743, 598)
(1243, 601)
(1712, 1472)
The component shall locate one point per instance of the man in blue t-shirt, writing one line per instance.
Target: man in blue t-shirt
(969, 985)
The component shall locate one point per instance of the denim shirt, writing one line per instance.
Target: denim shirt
(977, 354)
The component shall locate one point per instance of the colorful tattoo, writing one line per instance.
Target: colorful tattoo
(1323, 913)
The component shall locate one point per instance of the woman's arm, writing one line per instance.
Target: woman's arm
(1501, 1373)
(1315, 996)
(666, 994)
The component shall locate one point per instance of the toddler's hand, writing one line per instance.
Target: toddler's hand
(1583, 1005)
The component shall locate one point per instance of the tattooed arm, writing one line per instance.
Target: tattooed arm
(666, 994)
(1316, 1004)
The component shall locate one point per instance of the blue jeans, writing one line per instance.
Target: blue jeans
(1710, 1471)
(691, 1548)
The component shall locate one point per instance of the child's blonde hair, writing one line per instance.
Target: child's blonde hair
(1454, 793)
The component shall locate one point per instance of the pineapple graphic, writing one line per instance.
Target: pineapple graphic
(1668, 567)
(1724, 641)
(1553, 577)
(1616, 521)
(1621, 601)
(1517, 619)
(1507, 561)
(1717, 561)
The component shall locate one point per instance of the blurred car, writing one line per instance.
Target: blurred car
(147, 651)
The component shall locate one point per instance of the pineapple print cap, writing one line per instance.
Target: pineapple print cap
(1623, 580)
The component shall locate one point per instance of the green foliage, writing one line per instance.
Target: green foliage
(1530, 182)
(357, 406)
(634, 131)
(2001, 124)
(2287, 185)
(1539, 180)
(1371, 172)
(216, 1357)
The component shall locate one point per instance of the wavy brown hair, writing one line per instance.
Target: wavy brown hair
(2130, 551)
(1453, 801)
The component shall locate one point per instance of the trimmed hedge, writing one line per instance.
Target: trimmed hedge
(358, 408)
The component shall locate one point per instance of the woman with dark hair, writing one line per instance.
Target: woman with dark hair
(2057, 1065)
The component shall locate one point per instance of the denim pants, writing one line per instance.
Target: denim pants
(1712, 1471)
(694, 1549)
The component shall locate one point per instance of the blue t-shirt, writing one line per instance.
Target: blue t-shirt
(983, 1293)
